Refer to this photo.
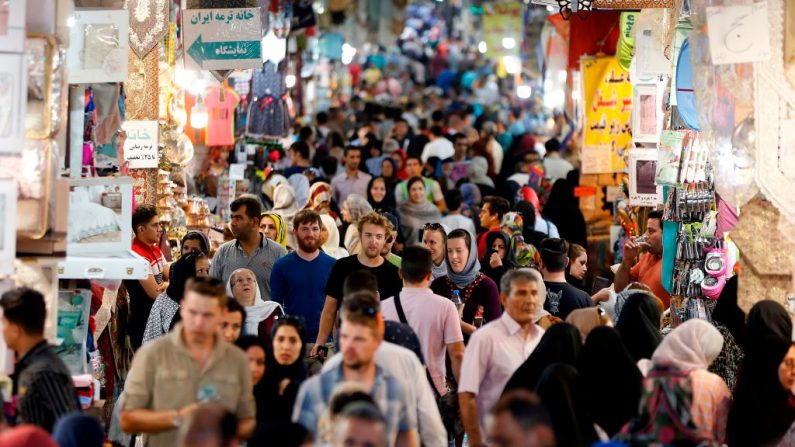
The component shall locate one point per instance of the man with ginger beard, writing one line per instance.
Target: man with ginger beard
(299, 279)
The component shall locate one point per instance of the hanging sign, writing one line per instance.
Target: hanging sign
(632, 4)
(140, 147)
(738, 33)
(502, 25)
(642, 169)
(607, 133)
(223, 39)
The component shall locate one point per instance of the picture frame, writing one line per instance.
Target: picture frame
(12, 26)
(647, 114)
(100, 216)
(8, 232)
(13, 95)
(98, 46)
(642, 172)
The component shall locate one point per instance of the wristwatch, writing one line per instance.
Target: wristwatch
(176, 419)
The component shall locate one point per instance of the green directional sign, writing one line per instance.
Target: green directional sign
(223, 38)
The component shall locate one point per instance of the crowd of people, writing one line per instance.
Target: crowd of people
(427, 287)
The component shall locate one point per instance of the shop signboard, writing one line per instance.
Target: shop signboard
(140, 147)
(502, 28)
(607, 114)
(223, 39)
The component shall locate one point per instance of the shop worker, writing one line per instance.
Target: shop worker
(250, 249)
(43, 387)
(299, 279)
(142, 293)
(646, 268)
(497, 349)
(172, 376)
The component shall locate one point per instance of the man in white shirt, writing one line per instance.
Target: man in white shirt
(497, 349)
(439, 146)
(455, 220)
(555, 167)
(434, 318)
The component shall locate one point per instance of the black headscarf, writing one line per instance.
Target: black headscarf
(728, 313)
(388, 202)
(562, 392)
(766, 319)
(563, 210)
(485, 267)
(611, 377)
(561, 343)
(182, 270)
(639, 325)
(279, 405)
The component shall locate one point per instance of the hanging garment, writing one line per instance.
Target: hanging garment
(220, 127)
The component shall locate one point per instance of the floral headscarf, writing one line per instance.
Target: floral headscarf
(281, 227)
(523, 254)
(320, 195)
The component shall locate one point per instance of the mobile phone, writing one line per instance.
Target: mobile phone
(599, 283)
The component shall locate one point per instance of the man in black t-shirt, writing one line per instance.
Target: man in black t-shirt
(373, 229)
(562, 297)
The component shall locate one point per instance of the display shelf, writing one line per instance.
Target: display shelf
(126, 266)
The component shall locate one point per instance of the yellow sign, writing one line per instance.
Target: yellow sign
(607, 130)
(502, 28)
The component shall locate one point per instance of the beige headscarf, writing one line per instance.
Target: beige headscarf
(692, 345)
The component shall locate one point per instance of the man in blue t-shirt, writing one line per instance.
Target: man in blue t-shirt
(299, 279)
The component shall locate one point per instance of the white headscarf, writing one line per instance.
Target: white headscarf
(256, 313)
(693, 345)
(332, 245)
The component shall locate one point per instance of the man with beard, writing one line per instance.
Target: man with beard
(361, 334)
(373, 229)
(299, 279)
(250, 249)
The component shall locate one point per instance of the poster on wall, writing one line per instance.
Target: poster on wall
(222, 39)
(502, 25)
(647, 114)
(98, 46)
(607, 115)
(140, 147)
(642, 170)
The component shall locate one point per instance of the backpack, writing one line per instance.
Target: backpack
(664, 416)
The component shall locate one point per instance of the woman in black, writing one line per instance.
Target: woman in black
(284, 372)
(496, 261)
(561, 343)
(639, 325)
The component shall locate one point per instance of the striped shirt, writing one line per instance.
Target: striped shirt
(388, 395)
(231, 257)
(43, 388)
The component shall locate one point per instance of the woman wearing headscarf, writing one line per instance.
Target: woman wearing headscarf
(78, 430)
(353, 209)
(260, 315)
(497, 259)
(689, 349)
(389, 171)
(272, 226)
(285, 371)
(320, 197)
(477, 172)
(257, 351)
(763, 409)
(477, 292)
(415, 212)
(521, 253)
(300, 184)
(563, 209)
(612, 379)
(588, 319)
(380, 196)
(729, 320)
(560, 344)
(561, 391)
(165, 309)
(400, 156)
(639, 325)
(330, 238)
(285, 204)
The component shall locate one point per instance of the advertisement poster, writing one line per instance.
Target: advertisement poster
(607, 127)
(502, 21)
(642, 169)
(140, 147)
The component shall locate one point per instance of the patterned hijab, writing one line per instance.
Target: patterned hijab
(471, 269)
(281, 227)
(319, 198)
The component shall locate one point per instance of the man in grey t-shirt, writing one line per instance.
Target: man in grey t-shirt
(249, 249)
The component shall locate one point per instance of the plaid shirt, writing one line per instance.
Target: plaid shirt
(388, 395)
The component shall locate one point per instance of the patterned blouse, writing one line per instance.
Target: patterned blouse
(730, 358)
(711, 403)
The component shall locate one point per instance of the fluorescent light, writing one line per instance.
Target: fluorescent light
(482, 47)
(512, 64)
(509, 43)
(524, 91)
(198, 115)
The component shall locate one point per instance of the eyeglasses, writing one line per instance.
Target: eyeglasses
(432, 226)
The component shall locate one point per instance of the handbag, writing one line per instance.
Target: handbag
(448, 404)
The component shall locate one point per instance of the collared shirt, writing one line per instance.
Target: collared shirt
(231, 257)
(388, 395)
(165, 376)
(436, 322)
(648, 271)
(43, 385)
(344, 185)
(493, 354)
(404, 364)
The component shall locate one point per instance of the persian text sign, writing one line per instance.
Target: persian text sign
(140, 147)
(608, 113)
(500, 22)
(223, 39)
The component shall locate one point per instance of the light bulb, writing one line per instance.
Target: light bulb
(512, 64)
(509, 43)
(524, 91)
(289, 81)
(348, 53)
(482, 47)
(198, 115)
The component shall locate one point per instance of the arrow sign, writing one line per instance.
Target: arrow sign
(223, 39)
(201, 51)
